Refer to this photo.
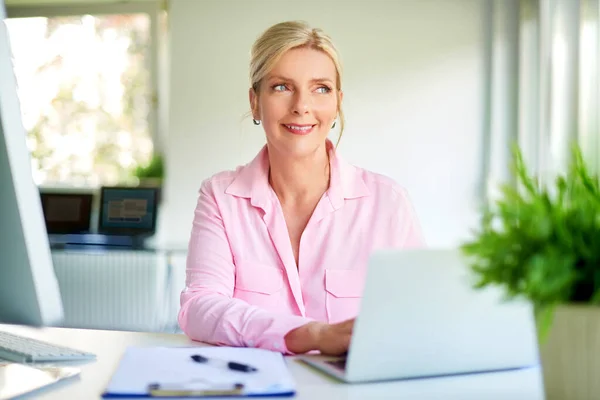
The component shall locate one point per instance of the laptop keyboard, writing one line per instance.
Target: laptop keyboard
(339, 364)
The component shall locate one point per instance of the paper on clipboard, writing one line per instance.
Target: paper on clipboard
(172, 368)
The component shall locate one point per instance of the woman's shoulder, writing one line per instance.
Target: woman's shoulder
(218, 182)
(238, 180)
(234, 181)
(381, 185)
(221, 178)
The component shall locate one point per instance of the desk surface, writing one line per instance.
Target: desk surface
(109, 345)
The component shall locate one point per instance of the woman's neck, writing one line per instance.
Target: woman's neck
(300, 180)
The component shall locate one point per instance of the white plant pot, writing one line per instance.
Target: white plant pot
(570, 354)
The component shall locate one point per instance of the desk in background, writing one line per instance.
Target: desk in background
(311, 385)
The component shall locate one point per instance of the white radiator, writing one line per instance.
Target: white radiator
(122, 290)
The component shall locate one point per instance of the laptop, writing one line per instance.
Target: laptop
(67, 213)
(421, 317)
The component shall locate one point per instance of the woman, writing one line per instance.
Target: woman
(279, 247)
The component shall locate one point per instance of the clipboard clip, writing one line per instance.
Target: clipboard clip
(171, 390)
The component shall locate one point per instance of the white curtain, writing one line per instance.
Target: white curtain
(543, 69)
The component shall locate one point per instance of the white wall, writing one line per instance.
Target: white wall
(414, 90)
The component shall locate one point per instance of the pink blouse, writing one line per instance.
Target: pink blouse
(243, 287)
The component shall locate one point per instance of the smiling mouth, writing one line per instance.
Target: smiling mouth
(299, 129)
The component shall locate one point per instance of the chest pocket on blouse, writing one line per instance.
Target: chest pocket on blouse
(344, 293)
(258, 284)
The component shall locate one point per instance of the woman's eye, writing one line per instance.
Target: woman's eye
(323, 89)
(279, 88)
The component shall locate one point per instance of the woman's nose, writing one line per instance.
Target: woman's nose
(301, 103)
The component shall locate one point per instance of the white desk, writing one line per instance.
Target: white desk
(311, 385)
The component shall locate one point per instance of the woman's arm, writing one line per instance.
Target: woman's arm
(209, 313)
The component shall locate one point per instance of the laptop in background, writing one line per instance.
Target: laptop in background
(128, 210)
(67, 213)
(421, 317)
(127, 215)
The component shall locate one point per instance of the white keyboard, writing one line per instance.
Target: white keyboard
(22, 349)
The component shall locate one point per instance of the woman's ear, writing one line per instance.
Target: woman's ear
(253, 97)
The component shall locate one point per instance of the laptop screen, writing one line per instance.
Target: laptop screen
(67, 213)
(128, 211)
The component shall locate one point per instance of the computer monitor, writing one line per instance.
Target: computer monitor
(128, 211)
(67, 213)
(29, 291)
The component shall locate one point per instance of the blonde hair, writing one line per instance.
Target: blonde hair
(284, 36)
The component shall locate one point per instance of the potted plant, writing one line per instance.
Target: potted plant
(542, 242)
(151, 174)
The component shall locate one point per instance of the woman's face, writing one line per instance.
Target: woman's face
(297, 102)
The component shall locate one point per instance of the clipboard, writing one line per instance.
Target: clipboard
(169, 372)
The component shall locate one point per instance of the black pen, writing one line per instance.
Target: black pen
(224, 364)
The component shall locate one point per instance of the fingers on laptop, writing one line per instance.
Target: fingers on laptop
(329, 339)
(335, 338)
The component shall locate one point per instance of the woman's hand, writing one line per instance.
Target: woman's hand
(329, 339)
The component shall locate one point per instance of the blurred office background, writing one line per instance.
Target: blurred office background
(435, 93)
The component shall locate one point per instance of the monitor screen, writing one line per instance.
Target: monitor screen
(126, 210)
(67, 213)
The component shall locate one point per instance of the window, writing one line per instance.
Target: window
(85, 84)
